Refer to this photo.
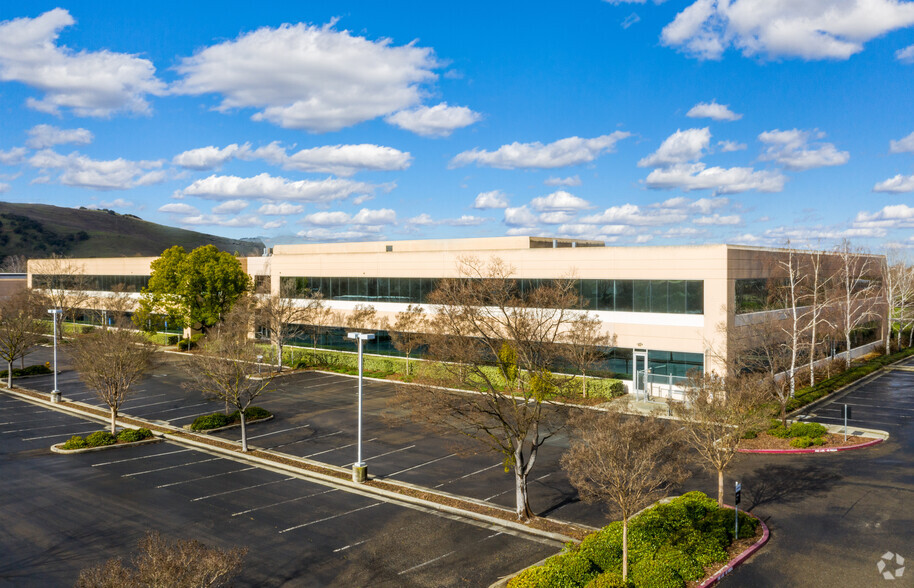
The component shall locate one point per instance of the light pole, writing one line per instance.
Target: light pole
(359, 469)
(55, 314)
(259, 363)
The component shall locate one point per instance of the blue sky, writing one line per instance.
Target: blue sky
(658, 123)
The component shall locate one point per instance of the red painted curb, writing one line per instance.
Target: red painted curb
(741, 557)
(814, 450)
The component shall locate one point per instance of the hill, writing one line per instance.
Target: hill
(38, 230)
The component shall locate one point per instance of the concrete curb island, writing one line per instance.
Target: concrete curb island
(742, 557)
(58, 447)
(816, 449)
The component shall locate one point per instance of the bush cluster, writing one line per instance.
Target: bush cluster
(801, 435)
(669, 545)
(133, 435)
(217, 419)
(32, 370)
(192, 343)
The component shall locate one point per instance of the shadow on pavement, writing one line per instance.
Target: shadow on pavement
(780, 484)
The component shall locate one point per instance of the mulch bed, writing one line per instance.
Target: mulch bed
(766, 441)
(736, 548)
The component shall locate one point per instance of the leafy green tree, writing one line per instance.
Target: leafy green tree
(194, 289)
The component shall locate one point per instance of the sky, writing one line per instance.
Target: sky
(752, 122)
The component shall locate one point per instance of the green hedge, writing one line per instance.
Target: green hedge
(100, 438)
(32, 370)
(669, 545)
(133, 435)
(218, 419)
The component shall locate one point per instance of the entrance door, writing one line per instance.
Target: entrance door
(640, 369)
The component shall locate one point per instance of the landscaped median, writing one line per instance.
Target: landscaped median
(100, 440)
(217, 421)
(803, 437)
(680, 543)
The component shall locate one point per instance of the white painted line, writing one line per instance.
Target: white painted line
(240, 489)
(170, 467)
(58, 435)
(95, 465)
(182, 408)
(338, 448)
(280, 431)
(206, 477)
(382, 455)
(303, 440)
(235, 514)
(189, 416)
(512, 489)
(427, 562)
(38, 428)
(330, 518)
(350, 545)
(470, 474)
(421, 465)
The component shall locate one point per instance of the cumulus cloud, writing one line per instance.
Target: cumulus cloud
(276, 188)
(230, 207)
(520, 217)
(4, 187)
(491, 199)
(892, 216)
(730, 146)
(13, 156)
(222, 221)
(697, 176)
(83, 172)
(324, 235)
(713, 110)
(559, 201)
(717, 219)
(178, 208)
(44, 136)
(365, 216)
(308, 77)
(896, 185)
(680, 147)
(632, 214)
(206, 158)
(905, 145)
(434, 121)
(570, 181)
(425, 220)
(89, 83)
(341, 160)
(794, 150)
(905, 55)
(811, 29)
(561, 153)
(282, 209)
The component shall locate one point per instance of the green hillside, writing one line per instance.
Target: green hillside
(38, 230)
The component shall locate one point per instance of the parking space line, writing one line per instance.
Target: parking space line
(338, 448)
(356, 544)
(377, 456)
(182, 407)
(39, 428)
(170, 467)
(470, 474)
(513, 489)
(336, 516)
(188, 416)
(240, 489)
(58, 435)
(206, 477)
(426, 563)
(303, 440)
(235, 514)
(95, 465)
(420, 465)
(280, 431)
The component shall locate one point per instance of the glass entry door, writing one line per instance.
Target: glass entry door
(640, 372)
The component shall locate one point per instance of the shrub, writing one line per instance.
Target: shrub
(182, 345)
(649, 573)
(251, 413)
(172, 340)
(210, 421)
(705, 549)
(811, 430)
(571, 569)
(750, 434)
(800, 442)
(75, 442)
(32, 370)
(684, 564)
(604, 548)
(780, 432)
(747, 526)
(608, 580)
(100, 438)
(133, 435)
(819, 441)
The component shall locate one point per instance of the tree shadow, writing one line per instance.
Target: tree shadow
(782, 484)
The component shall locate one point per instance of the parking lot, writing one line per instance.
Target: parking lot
(63, 513)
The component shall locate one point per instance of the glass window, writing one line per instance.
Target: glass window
(641, 295)
(695, 297)
(625, 292)
(677, 296)
(660, 299)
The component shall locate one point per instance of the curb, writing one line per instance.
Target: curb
(56, 448)
(811, 450)
(742, 557)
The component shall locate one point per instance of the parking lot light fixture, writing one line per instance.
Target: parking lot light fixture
(55, 315)
(359, 469)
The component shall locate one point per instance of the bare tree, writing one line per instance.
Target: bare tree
(716, 414)
(856, 291)
(481, 319)
(63, 282)
(904, 302)
(21, 328)
(363, 318)
(897, 287)
(760, 349)
(283, 316)
(625, 462)
(795, 324)
(583, 341)
(817, 301)
(408, 331)
(226, 367)
(161, 563)
(320, 317)
(115, 305)
(110, 362)
(14, 264)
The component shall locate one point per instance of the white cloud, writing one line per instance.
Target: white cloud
(809, 29)
(892, 216)
(384, 216)
(680, 147)
(793, 149)
(491, 199)
(273, 224)
(570, 181)
(629, 20)
(365, 216)
(425, 220)
(282, 209)
(905, 55)
(632, 214)
(221, 221)
(716, 219)
(83, 172)
(205, 158)
(334, 235)
(714, 111)
(559, 201)
(730, 146)
(276, 188)
(519, 217)
(435, 121)
(905, 145)
(116, 203)
(230, 207)
(13, 156)
(561, 153)
(341, 160)
(896, 185)
(697, 176)
(558, 217)
(178, 208)
(307, 77)
(90, 83)
(43, 136)
(4, 187)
